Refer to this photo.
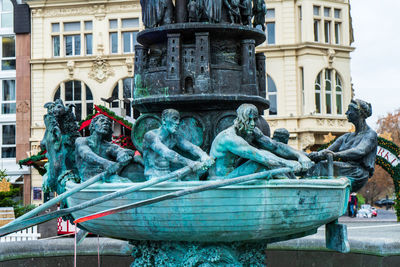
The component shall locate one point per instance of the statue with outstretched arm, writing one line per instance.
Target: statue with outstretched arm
(160, 145)
(354, 153)
(244, 141)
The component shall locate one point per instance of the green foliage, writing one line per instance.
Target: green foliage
(361, 200)
(7, 199)
(20, 210)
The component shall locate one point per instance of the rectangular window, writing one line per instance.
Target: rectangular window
(316, 10)
(300, 23)
(8, 146)
(88, 25)
(328, 103)
(327, 12)
(89, 44)
(327, 31)
(318, 102)
(56, 46)
(339, 104)
(316, 30)
(271, 32)
(114, 43)
(337, 33)
(113, 24)
(337, 13)
(130, 23)
(72, 45)
(72, 26)
(8, 100)
(8, 53)
(6, 13)
(270, 13)
(129, 41)
(55, 27)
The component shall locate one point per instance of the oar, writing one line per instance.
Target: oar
(59, 198)
(9, 228)
(197, 189)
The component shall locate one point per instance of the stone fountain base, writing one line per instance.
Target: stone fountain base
(160, 253)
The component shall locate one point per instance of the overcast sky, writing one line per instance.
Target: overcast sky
(375, 64)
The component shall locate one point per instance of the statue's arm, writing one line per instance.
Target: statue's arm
(187, 146)
(158, 147)
(120, 154)
(243, 149)
(336, 145)
(87, 155)
(368, 143)
(282, 150)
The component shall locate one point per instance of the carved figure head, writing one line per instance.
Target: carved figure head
(281, 135)
(247, 115)
(101, 125)
(55, 108)
(358, 109)
(170, 120)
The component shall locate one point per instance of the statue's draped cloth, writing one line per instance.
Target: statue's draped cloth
(213, 9)
(151, 11)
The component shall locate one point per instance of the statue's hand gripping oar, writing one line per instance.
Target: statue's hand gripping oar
(197, 189)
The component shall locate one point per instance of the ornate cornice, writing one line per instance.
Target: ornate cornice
(98, 10)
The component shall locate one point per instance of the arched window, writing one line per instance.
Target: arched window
(272, 96)
(123, 94)
(77, 93)
(328, 93)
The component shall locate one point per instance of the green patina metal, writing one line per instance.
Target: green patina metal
(242, 202)
(386, 159)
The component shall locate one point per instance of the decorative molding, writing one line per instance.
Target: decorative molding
(320, 122)
(122, 8)
(98, 10)
(71, 67)
(331, 56)
(23, 107)
(62, 12)
(129, 62)
(101, 70)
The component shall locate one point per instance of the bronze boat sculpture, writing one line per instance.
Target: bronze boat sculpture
(208, 175)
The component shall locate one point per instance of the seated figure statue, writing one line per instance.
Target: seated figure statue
(96, 154)
(244, 140)
(356, 151)
(159, 144)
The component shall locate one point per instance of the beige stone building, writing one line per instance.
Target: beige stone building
(82, 51)
(308, 65)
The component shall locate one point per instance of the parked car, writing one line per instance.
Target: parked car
(384, 202)
(366, 211)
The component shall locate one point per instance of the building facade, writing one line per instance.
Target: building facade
(308, 68)
(83, 52)
(8, 110)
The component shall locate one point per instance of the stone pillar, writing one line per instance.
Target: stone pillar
(249, 80)
(180, 11)
(23, 116)
(202, 76)
(173, 79)
(261, 75)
